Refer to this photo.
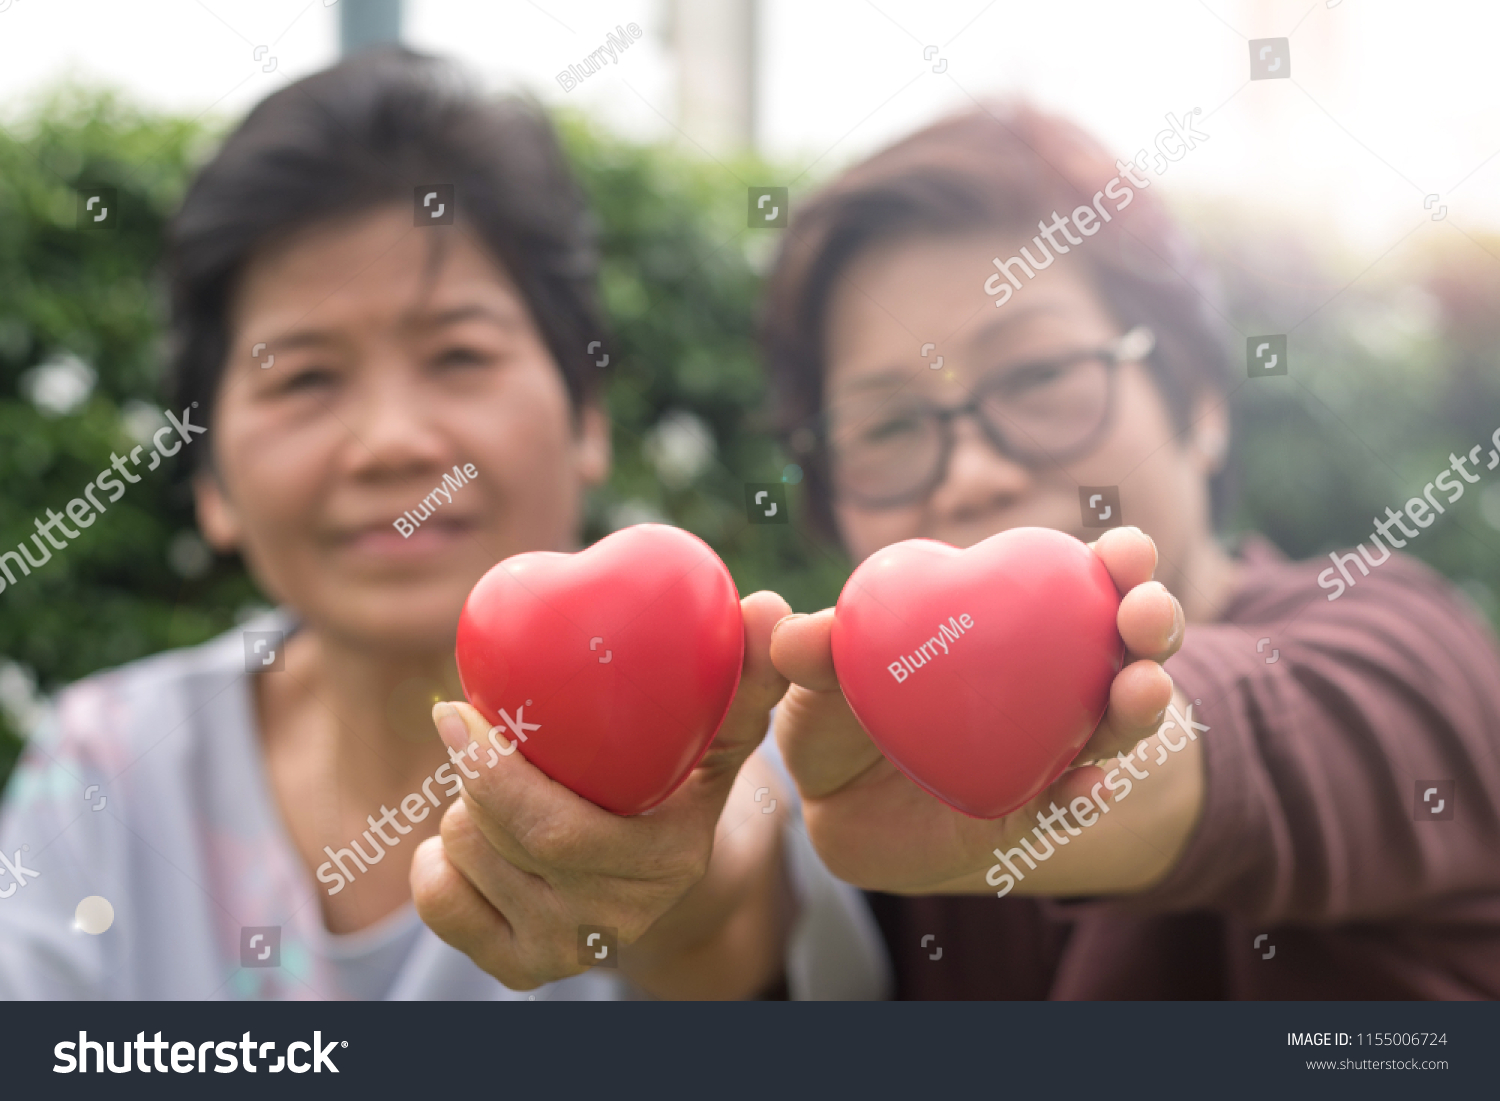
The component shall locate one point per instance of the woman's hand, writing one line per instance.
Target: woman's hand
(695, 886)
(880, 831)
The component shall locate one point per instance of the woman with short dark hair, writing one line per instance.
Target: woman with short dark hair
(383, 293)
(1263, 835)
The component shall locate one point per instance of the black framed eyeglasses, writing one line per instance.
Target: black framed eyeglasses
(889, 449)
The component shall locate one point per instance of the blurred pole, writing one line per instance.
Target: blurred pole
(715, 43)
(368, 23)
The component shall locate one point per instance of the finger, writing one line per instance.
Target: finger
(823, 744)
(1151, 622)
(537, 905)
(1129, 555)
(459, 914)
(544, 828)
(526, 901)
(761, 686)
(531, 819)
(510, 890)
(825, 747)
(1138, 697)
(802, 649)
(536, 950)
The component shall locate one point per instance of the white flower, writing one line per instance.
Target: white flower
(628, 513)
(141, 419)
(680, 447)
(22, 704)
(60, 384)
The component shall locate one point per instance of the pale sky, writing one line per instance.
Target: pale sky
(1388, 100)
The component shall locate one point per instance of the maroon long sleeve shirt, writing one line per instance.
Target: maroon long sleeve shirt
(1317, 870)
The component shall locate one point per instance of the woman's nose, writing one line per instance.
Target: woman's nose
(979, 479)
(392, 423)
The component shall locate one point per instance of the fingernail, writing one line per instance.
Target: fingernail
(786, 618)
(450, 726)
(1179, 623)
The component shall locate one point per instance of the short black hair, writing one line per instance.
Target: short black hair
(366, 132)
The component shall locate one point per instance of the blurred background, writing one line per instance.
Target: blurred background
(1353, 205)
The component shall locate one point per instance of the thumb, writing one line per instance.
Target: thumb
(761, 687)
(802, 649)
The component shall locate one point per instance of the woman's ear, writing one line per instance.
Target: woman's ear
(592, 449)
(1211, 431)
(217, 519)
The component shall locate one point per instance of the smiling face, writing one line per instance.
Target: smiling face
(392, 365)
(895, 298)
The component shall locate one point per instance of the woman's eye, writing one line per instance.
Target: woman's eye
(460, 356)
(309, 378)
(1031, 379)
(890, 429)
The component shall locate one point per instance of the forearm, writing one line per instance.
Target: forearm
(726, 938)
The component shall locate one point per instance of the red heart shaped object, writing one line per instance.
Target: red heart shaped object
(612, 668)
(980, 673)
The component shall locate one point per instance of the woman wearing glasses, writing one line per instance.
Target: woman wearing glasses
(1273, 842)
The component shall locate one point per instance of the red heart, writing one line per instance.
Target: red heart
(980, 673)
(624, 656)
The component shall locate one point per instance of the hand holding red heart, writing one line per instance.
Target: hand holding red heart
(878, 829)
(980, 673)
(978, 714)
(522, 861)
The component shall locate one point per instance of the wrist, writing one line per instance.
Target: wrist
(1113, 828)
(725, 937)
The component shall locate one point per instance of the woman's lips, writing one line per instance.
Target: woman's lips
(435, 536)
